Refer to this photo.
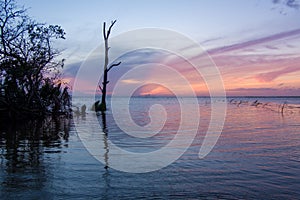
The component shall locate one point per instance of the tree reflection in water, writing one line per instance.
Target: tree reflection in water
(106, 148)
(105, 131)
(24, 147)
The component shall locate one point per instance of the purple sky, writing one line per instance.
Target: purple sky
(254, 44)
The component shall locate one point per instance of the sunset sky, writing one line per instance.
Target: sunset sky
(254, 44)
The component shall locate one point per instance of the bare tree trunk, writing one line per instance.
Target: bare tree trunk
(106, 69)
(105, 82)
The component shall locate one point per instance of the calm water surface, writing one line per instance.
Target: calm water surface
(256, 157)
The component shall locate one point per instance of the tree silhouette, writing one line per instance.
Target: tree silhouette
(106, 34)
(29, 72)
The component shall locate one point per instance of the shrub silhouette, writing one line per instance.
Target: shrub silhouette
(29, 70)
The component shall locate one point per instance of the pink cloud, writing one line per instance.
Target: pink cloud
(270, 76)
(254, 42)
(264, 91)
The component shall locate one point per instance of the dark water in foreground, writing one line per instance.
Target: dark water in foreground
(256, 157)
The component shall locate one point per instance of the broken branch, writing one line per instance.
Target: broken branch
(113, 65)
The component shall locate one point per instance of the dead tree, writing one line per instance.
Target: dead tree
(102, 106)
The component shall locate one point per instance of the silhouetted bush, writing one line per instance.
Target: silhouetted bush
(30, 82)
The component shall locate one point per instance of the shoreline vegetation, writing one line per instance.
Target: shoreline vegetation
(30, 71)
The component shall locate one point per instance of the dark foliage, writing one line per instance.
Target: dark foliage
(29, 72)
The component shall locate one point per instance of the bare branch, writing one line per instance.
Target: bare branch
(113, 65)
(104, 31)
(109, 29)
(100, 88)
